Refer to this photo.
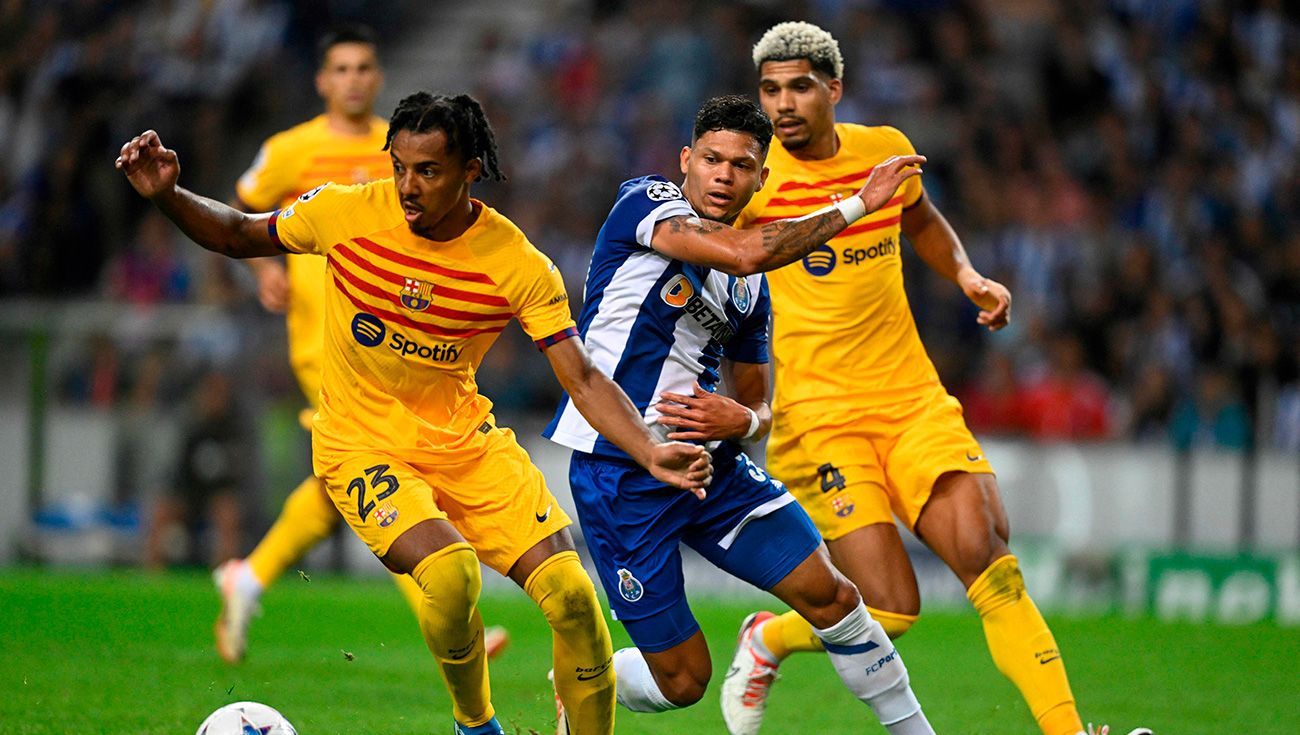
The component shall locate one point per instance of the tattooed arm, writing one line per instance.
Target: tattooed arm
(770, 246)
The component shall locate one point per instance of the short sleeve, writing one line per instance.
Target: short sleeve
(268, 181)
(298, 227)
(642, 204)
(540, 301)
(911, 189)
(750, 343)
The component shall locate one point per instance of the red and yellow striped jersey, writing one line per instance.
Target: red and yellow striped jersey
(841, 324)
(408, 320)
(289, 164)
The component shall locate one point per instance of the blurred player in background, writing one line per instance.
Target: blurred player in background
(676, 306)
(864, 430)
(422, 280)
(343, 145)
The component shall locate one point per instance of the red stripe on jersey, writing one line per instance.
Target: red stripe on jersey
(869, 226)
(396, 280)
(407, 260)
(470, 296)
(399, 319)
(774, 217)
(791, 185)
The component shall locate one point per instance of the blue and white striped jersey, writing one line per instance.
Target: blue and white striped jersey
(656, 324)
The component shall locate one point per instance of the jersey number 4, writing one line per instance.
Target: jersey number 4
(378, 478)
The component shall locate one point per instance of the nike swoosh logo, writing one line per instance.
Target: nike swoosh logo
(457, 654)
(1049, 660)
(732, 672)
(589, 677)
(589, 674)
(541, 517)
(976, 458)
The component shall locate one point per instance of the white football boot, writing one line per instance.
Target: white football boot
(748, 681)
(237, 609)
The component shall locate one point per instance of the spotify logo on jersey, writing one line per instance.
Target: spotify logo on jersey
(367, 329)
(820, 261)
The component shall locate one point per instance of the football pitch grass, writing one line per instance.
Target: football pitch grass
(132, 653)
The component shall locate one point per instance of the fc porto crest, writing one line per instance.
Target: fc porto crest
(416, 295)
(629, 587)
(740, 295)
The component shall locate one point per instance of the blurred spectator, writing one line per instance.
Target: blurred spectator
(149, 271)
(211, 481)
(1067, 401)
(994, 403)
(1214, 417)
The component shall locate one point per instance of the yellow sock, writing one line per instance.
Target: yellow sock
(306, 519)
(895, 624)
(788, 633)
(583, 653)
(1023, 648)
(453, 629)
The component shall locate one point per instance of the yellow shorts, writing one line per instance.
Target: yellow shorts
(498, 501)
(854, 467)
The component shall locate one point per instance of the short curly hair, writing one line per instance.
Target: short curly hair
(735, 113)
(800, 40)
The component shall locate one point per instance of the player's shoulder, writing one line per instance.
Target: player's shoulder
(364, 205)
(304, 134)
(885, 140)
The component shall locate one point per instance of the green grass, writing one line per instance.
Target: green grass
(132, 653)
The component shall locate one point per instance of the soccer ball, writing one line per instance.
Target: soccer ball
(246, 718)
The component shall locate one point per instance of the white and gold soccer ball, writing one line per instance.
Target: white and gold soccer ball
(246, 718)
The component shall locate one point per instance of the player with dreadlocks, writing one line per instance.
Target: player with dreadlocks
(422, 279)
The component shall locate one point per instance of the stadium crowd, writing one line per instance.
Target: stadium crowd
(1130, 169)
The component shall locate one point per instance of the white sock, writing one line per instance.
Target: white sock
(636, 688)
(246, 583)
(873, 670)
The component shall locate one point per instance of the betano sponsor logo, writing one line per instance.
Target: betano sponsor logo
(680, 292)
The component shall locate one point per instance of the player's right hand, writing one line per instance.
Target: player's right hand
(151, 168)
(272, 284)
(885, 179)
(682, 465)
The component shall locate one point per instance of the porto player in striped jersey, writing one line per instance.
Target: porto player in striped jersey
(422, 279)
(676, 306)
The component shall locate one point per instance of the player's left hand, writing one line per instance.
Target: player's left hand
(993, 299)
(682, 465)
(703, 416)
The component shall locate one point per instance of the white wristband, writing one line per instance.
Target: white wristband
(753, 424)
(853, 208)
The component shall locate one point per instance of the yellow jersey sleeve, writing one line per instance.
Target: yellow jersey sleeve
(539, 299)
(316, 220)
(270, 179)
(896, 141)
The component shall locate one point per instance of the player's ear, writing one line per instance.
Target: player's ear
(473, 169)
(836, 88)
(686, 158)
(762, 178)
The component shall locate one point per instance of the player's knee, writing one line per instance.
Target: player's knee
(684, 687)
(450, 578)
(564, 592)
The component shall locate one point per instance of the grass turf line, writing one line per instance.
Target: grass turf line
(132, 653)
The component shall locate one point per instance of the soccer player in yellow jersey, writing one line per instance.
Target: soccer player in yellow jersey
(343, 145)
(864, 431)
(422, 278)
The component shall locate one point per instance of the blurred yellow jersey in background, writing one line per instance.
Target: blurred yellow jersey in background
(408, 320)
(291, 163)
(842, 327)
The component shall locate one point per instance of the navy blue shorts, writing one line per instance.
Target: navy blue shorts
(748, 526)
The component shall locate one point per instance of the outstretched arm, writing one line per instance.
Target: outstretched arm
(938, 245)
(611, 413)
(154, 170)
(765, 248)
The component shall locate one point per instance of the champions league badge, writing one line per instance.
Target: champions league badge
(740, 295)
(629, 587)
(416, 295)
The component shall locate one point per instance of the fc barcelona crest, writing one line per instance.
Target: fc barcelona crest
(416, 295)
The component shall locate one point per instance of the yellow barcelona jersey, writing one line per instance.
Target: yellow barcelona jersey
(289, 164)
(841, 324)
(408, 320)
